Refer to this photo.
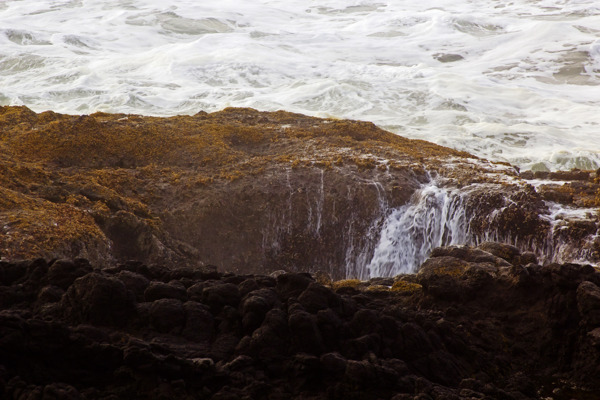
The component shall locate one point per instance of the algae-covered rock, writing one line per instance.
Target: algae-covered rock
(247, 191)
(447, 277)
(237, 188)
(405, 287)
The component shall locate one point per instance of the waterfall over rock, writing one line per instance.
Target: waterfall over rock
(435, 216)
(439, 214)
(255, 192)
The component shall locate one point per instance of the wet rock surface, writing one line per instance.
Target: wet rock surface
(473, 323)
(255, 192)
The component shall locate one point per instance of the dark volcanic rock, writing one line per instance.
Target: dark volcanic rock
(304, 333)
(505, 251)
(220, 295)
(588, 302)
(62, 273)
(134, 282)
(199, 322)
(98, 299)
(12, 272)
(167, 315)
(161, 290)
(479, 328)
(255, 307)
(292, 285)
(317, 297)
(50, 294)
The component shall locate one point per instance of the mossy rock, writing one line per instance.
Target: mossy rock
(191, 184)
(347, 283)
(445, 265)
(404, 287)
(377, 288)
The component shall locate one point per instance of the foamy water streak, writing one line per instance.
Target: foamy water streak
(514, 81)
(434, 217)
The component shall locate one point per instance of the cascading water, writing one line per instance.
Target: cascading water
(438, 216)
(358, 249)
(434, 217)
(557, 248)
(392, 241)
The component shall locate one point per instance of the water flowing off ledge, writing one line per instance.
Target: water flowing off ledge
(255, 192)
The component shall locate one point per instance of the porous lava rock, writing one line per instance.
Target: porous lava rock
(519, 332)
(99, 299)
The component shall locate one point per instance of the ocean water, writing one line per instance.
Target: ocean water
(515, 81)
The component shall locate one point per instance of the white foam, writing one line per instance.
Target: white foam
(513, 81)
(560, 212)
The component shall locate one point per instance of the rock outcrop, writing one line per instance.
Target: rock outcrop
(255, 192)
(474, 323)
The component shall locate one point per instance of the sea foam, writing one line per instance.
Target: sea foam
(514, 81)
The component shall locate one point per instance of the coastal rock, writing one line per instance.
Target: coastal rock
(255, 307)
(451, 278)
(161, 290)
(252, 192)
(304, 333)
(484, 253)
(98, 299)
(473, 330)
(317, 297)
(221, 295)
(50, 294)
(588, 302)
(199, 322)
(505, 251)
(62, 273)
(12, 272)
(167, 315)
(292, 285)
(134, 282)
(211, 204)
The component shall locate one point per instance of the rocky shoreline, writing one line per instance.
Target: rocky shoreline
(282, 256)
(474, 323)
(255, 192)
